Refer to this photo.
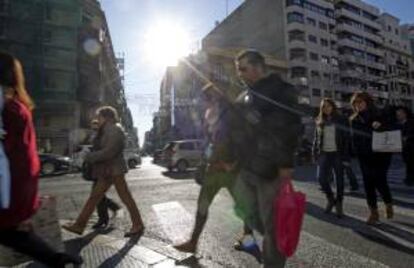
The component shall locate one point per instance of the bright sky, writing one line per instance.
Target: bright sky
(133, 22)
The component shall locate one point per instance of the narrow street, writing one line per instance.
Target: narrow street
(168, 202)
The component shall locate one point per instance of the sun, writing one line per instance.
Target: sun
(166, 43)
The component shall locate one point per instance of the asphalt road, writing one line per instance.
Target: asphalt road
(168, 201)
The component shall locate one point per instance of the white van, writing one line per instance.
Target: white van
(182, 154)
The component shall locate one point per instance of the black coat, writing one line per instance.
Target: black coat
(342, 137)
(407, 130)
(362, 130)
(273, 118)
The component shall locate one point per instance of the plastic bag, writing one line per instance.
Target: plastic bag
(289, 209)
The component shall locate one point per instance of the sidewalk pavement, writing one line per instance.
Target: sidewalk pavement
(98, 249)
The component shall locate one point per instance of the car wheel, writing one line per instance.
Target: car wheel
(48, 168)
(182, 166)
(132, 163)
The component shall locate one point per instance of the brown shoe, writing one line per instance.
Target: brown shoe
(389, 211)
(73, 228)
(135, 231)
(373, 217)
(189, 246)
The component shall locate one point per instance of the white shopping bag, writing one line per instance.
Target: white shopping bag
(387, 141)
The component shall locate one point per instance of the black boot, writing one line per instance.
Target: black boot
(64, 258)
(100, 225)
(330, 204)
(339, 209)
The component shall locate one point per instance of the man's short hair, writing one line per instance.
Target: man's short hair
(253, 57)
(108, 112)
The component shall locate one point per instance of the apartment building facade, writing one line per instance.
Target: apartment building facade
(333, 48)
(399, 61)
(66, 60)
(311, 44)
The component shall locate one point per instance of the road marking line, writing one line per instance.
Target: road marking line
(175, 221)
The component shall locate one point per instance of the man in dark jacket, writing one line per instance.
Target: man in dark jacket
(270, 109)
(406, 124)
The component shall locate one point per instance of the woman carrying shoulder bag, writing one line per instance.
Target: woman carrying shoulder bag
(374, 165)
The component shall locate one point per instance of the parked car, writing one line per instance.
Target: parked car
(132, 158)
(52, 164)
(182, 154)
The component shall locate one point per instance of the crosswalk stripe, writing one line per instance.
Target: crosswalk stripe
(176, 222)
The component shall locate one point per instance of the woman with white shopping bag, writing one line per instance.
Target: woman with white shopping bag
(20, 148)
(374, 165)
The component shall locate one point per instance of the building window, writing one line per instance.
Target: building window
(326, 76)
(298, 72)
(314, 56)
(356, 39)
(295, 17)
(324, 42)
(334, 62)
(316, 92)
(296, 35)
(351, 8)
(369, 43)
(315, 74)
(313, 39)
(293, 2)
(368, 15)
(297, 54)
(311, 21)
(371, 57)
(325, 59)
(323, 26)
(389, 28)
(328, 94)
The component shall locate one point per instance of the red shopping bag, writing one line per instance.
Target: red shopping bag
(289, 208)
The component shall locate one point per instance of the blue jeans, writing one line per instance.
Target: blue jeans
(329, 162)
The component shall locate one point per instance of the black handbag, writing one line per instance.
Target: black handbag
(87, 172)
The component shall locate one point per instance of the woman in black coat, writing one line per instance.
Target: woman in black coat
(374, 165)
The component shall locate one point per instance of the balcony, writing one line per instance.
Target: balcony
(353, 59)
(376, 65)
(351, 73)
(295, 26)
(349, 43)
(295, 8)
(297, 44)
(343, 27)
(297, 62)
(348, 14)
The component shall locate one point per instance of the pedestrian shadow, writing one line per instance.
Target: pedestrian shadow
(371, 233)
(191, 261)
(395, 201)
(117, 258)
(75, 246)
(410, 225)
(188, 175)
